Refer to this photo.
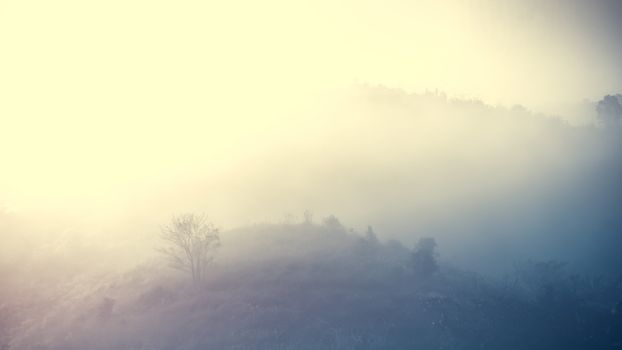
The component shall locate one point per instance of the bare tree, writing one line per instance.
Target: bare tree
(191, 242)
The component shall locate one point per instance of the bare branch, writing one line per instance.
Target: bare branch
(191, 242)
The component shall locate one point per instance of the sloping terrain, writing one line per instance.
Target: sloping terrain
(306, 286)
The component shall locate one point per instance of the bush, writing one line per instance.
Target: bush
(424, 257)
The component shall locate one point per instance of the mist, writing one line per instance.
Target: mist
(487, 182)
(496, 187)
(310, 175)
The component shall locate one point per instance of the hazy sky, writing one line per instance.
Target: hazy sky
(99, 98)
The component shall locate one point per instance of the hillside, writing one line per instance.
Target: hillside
(310, 286)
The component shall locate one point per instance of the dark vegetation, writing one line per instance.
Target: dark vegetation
(310, 286)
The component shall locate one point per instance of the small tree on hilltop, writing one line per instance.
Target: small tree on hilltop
(610, 109)
(191, 243)
(424, 257)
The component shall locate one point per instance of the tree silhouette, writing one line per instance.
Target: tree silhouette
(610, 109)
(191, 242)
(424, 257)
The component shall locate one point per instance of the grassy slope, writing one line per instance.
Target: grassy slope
(306, 287)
